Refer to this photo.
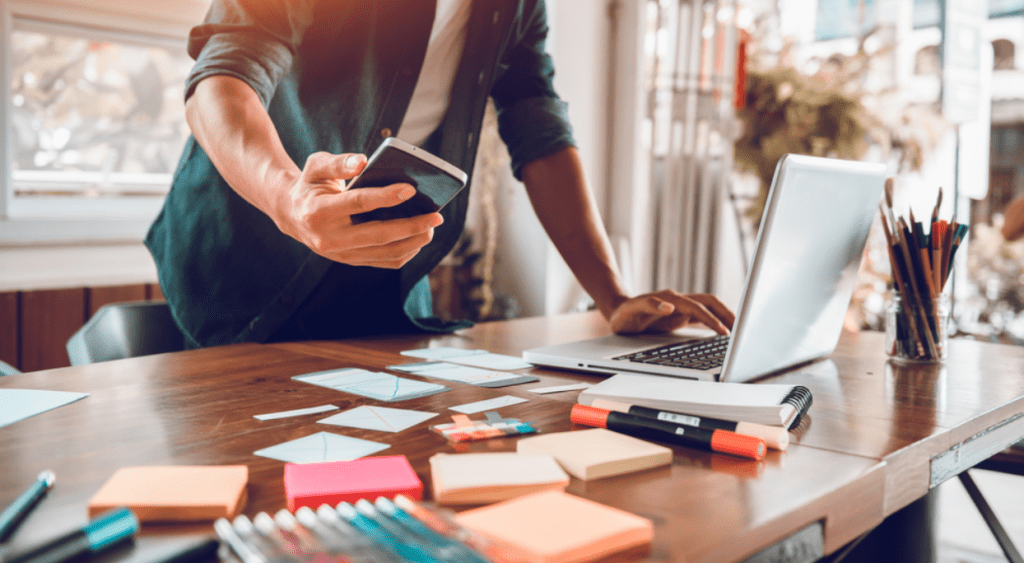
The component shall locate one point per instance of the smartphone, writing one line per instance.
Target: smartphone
(397, 161)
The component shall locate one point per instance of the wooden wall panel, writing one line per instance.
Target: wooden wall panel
(10, 328)
(100, 296)
(48, 319)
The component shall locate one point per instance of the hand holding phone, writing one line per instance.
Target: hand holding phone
(396, 162)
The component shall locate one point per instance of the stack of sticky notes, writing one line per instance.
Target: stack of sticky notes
(478, 478)
(554, 526)
(174, 493)
(595, 453)
(313, 484)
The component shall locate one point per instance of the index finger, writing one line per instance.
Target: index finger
(686, 304)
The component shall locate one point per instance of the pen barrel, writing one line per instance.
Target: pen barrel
(61, 549)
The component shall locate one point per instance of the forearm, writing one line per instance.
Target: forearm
(229, 122)
(566, 208)
(1013, 224)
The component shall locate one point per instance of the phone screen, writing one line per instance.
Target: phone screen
(434, 186)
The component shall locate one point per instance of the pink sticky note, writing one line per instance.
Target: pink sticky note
(313, 484)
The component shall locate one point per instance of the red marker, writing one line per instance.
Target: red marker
(721, 441)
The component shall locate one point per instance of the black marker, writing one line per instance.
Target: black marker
(106, 530)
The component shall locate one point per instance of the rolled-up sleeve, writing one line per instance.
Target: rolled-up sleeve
(252, 40)
(532, 120)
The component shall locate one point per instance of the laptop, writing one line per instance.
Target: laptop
(807, 255)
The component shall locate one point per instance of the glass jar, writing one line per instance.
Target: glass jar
(914, 332)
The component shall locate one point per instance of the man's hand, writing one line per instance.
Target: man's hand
(666, 310)
(317, 210)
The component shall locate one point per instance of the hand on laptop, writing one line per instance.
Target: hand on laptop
(667, 310)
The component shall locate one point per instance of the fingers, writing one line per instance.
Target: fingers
(368, 199)
(667, 310)
(326, 167)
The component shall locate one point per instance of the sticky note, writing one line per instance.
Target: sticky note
(597, 452)
(554, 526)
(174, 493)
(477, 478)
(313, 484)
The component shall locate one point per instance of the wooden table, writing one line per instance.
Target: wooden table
(878, 436)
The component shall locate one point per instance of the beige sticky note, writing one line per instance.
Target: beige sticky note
(174, 493)
(595, 453)
(554, 526)
(477, 478)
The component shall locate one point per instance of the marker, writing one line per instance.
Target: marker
(721, 441)
(227, 533)
(16, 512)
(106, 530)
(774, 436)
(357, 545)
(202, 551)
(382, 537)
(459, 551)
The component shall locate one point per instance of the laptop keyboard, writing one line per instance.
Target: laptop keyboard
(703, 354)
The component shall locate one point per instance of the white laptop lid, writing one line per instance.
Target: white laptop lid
(808, 251)
(803, 273)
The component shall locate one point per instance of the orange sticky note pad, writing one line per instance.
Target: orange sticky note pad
(554, 526)
(175, 493)
(313, 484)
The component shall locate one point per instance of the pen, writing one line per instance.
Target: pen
(16, 512)
(265, 546)
(461, 552)
(774, 436)
(202, 551)
(356, 545)
(106, 530)
(381, 536)
(227, 533)
(721, 441)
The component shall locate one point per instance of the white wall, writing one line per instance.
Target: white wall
(528, 267)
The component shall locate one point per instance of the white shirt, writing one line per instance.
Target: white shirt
(434, 85)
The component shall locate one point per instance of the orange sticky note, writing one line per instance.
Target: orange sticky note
(175, 493)
(554, 526)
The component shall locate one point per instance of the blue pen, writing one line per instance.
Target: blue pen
(378, 534)
(13, 514)
(463, 551)
(350, 544)
(356, 544)
(106, 530)
(443, 549)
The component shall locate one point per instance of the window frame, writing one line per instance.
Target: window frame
(167, 21)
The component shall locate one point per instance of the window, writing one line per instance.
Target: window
(93, 116)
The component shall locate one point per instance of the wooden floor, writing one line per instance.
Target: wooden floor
(962, 534)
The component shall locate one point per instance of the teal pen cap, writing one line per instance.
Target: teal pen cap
(378, 534)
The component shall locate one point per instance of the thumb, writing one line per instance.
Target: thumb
(322, 166)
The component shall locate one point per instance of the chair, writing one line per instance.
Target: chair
(125, 330)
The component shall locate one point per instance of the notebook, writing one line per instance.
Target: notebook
(557, 527)
(479, 478)
(598, 452)
(174, 493)
(313, 484)
(773, 404)
(807, 254)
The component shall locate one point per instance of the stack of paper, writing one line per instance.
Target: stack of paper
(478, 478)
(174, 493)
(554, 526)
(596, 453)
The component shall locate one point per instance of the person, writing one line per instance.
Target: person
(1013, 220)
(255, 241)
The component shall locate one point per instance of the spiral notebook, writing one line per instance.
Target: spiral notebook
(764, 403)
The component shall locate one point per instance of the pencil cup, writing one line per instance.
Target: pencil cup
(917, 331)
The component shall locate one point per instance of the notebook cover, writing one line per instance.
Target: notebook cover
(476, 478)
(554, 526)
(313, 484)
(596, 453)
(174, 493)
